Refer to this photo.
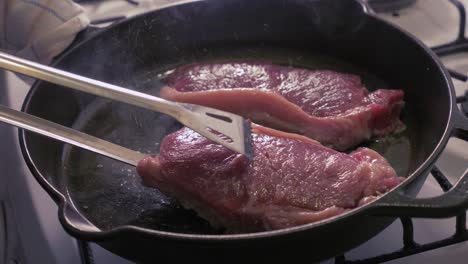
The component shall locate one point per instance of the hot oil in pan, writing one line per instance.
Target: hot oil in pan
(110, 193)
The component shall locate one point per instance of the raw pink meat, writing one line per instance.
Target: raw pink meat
(331, 107)
(291, 180)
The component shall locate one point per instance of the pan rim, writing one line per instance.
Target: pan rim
(62, 202)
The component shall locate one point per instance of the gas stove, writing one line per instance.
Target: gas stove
(33, 233)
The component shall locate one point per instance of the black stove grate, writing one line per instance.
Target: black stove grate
(460, 44)
(410, 246)
(463, 100)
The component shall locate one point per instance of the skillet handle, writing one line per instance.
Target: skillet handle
(451, 203)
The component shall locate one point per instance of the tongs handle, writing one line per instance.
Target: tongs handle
(68, 135)
(224, 128)
(81, 83)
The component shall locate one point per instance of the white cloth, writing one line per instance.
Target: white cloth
(39, 29)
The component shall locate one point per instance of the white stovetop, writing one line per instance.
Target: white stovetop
(42, 238)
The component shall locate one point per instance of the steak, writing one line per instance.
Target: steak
(291, 180)
(331, 107)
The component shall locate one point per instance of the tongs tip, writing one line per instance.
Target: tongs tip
(248, 149)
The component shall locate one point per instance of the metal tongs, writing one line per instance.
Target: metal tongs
(227, 129)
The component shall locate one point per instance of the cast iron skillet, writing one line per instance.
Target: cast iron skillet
(102, 200)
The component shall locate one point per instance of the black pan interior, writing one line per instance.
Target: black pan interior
(111, 194)
(137, 53)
